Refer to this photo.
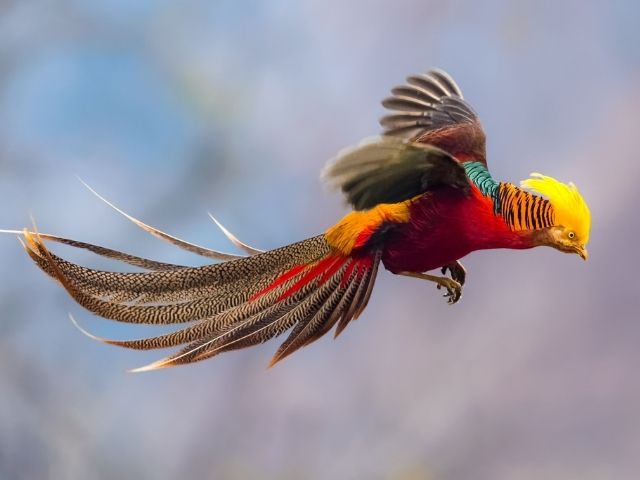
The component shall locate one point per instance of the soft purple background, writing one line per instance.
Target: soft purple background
(173, 109)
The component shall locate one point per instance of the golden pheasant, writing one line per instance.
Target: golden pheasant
(422, 198)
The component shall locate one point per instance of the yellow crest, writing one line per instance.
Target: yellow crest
(569, 208)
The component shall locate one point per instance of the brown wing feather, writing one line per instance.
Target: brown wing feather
(430, 109)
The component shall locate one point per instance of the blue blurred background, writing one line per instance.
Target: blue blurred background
(172, 109)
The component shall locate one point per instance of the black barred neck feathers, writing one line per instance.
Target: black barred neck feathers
(520, 210)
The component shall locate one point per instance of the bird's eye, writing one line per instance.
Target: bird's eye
(571, 235)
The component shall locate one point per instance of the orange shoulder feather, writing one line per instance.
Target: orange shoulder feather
(356, 227)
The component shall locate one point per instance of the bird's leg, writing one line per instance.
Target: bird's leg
(454, 289)
(458, 272)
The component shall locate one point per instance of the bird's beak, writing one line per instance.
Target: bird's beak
(582, 251)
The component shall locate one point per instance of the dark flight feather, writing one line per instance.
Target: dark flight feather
(430, 109)
(390, 170)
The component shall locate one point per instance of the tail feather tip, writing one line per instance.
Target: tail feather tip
(85, 332)
(157, 365)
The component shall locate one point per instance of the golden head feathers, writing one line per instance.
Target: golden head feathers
(569, 208)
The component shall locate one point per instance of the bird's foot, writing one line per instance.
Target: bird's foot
(458, 272)
(453, 287)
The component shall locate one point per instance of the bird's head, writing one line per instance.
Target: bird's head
(571, 217)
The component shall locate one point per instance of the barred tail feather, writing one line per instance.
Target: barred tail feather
(311, 311)
(307, 287)
(141, 262)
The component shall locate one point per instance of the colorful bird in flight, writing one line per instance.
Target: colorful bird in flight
(422, 198)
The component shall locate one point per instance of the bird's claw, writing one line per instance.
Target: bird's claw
(454, 289)
(458, 272)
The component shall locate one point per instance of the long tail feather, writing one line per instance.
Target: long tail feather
(307, 287)
(311, 311)
(361, 296)
(183, 244)
(209, 346)
(229, 279)
(306, 327)
(235, 240)
(172, 280)
(103, 251)
(133, 288)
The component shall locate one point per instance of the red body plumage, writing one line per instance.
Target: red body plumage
(445, 227)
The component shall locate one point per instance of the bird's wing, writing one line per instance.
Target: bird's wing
(391, 170)
(429, 108)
